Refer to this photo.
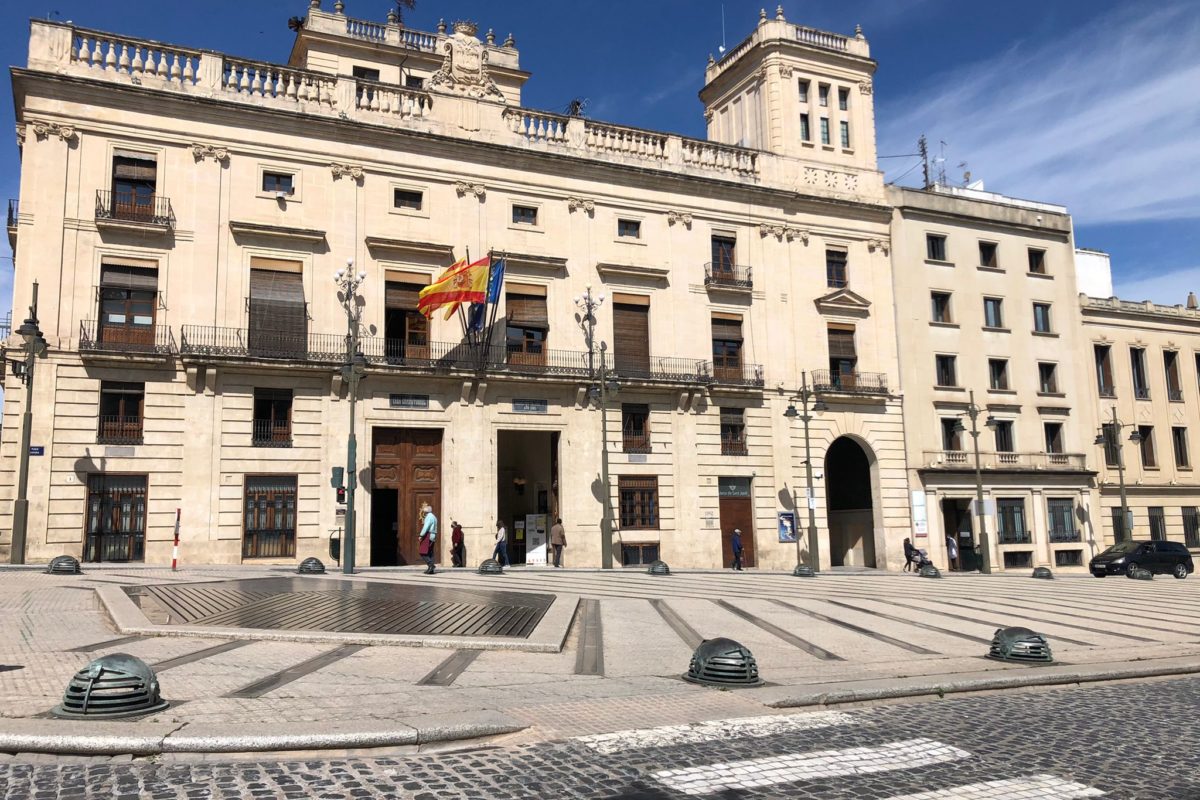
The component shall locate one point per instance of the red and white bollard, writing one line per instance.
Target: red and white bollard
(175, 547)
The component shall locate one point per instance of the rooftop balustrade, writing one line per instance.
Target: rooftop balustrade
(965, 459)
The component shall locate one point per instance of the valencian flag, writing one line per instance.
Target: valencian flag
(458, 284)
(478, 310)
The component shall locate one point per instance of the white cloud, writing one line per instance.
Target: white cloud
(1103, 118)
(1167, 288)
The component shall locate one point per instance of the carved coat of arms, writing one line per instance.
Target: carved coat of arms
(465, 67)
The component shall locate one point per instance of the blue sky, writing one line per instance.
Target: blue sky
(1094, 104)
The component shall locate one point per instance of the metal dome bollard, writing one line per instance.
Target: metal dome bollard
(803, 571)
(1043, 572)
(659, 568)
(491, 567)
(1139, 574)
(114, 686)
(723, 662)
(929, 571)
(1020, 645)
(64, 565)
(311, 566)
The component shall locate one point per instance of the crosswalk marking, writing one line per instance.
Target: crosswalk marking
(771, 770)
(1041, 787)
(715, 730)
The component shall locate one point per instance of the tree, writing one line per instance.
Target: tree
(401, 5)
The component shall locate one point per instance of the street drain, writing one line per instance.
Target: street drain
(113, 686)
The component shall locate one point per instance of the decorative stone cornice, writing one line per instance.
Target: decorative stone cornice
(20, 136)
(464, 188)
(576, 203)
(879, 244)
(785, 71)
(865, 87)
(346, 171)
(674, 217)
(766, 229)
(45, 129)
(215, 152)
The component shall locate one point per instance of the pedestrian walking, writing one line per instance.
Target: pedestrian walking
(952, 551)
(428, 537)
(500, 554)
(737, 549)
(458, 549)
(910, 555)
(558, 540)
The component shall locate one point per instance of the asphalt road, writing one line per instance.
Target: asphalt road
(1118, 741)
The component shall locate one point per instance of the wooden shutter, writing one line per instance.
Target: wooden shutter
(631, 336)
(278, 313)
(134, 166)
(119, 276)
(841, 343)
(727, 329)
(527, 311)
(401, 295)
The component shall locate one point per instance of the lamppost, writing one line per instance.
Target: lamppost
(352, 373)
(34, 345)
(602, 387)
(1110, 434)
(806, 394)
(972, 413)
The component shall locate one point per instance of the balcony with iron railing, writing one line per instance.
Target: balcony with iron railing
(129, 209)
(1175, 395)
(728, 276)
(635, 443)
(1108, 390)
(543, 361)
(991, 460)
(211, 342)
(1061, 536)
(670, 369)
(420, 355)
(119, 430)
(737, 374)
(1141, 392)
(271, 433)
(733, 444)
(1015, 537)
(827, 381)
(97, 337)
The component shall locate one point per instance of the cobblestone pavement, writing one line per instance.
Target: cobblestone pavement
(1116, 741)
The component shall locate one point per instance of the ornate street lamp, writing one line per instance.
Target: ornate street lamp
(602, 387)
(1110, 434)
(806, 394)
(352, 372)
(972, 413)
(34, 345)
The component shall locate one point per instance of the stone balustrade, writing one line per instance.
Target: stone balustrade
(120, 55)
(396, 101)
(252, 79)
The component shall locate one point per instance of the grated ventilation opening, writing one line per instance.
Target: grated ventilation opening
(1139, 574)
(64, 565)
(311, 566)
(1020, 645)
(116, 685)
(491, 567)
(929, 571)
(723, 662)
(1043, 572)
(659, 568)
(804, 571)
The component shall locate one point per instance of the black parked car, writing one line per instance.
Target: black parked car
(1166, 558)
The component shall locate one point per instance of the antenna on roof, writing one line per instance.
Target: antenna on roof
(721, 49)
(575, 107)
(940, 161)
(923, 149)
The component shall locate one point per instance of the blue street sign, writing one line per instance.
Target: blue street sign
(37, 450)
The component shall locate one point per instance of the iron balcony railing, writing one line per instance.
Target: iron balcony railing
(1175, 395)
(736, 374)
(513, 359)
(1062, 537)
(119, 430)
(419, 355)
(13, 209)
(95, 336)
(729, 276)
(965, 459)
(683, 370)
(271, 433)
(733, 446)
(149, 209)
(217, 342)
(836, 381)
(1015, 537)
(1107, 390)
(1141, 392)
(635, 443)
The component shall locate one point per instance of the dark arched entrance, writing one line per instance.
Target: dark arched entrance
(849, 507)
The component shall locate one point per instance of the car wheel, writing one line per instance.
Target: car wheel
(1181, 571)
(1130, 567)
(1097, 574)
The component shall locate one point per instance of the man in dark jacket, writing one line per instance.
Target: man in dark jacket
(458, 550)
(737, 549)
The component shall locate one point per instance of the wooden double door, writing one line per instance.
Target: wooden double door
(737, 511)
(406, 471)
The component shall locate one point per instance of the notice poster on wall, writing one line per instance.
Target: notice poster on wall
(920, 516)
(535, 538)
(787, 526)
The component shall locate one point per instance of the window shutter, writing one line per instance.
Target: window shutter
(278, 313)
(727, 329)
(119, 276)
(401, 295)
(527, 311)
(631, 336)
(841, 343)
(134, 167)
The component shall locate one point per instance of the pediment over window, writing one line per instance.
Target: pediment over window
(843, 302)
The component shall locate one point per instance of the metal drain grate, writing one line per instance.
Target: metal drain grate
(1043, 572)
(64, 565)
(113, 686)
(804, 571)
(659, 568)
(311, 566)
(723, 662)
(491, 567)
(1021, 645)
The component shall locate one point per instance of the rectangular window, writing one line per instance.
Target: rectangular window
(629, 229)
(134, 184)
(951, 434)
(1104, 377)
(278, 323)
(1060, 512)
(128, 305)
(524, 215)
(407, 198)
(631, 337)
(946, 368)
(638, 501)
(1180, 444)
(1048, 378)
(1004, 437)
(1068, 558)
(987, 255)
(723, 252)
(940, 307)
(1137, 365)
(1037, 261)
(805, 130)
(414, 81)
(823, 93)
(1146, 445)
(1191, 526)
(405, 329)
(935, 247)
(727, 349)
(836, 276)
(803, 90)
(527, 329)
(843, 355)
(116, 518)
(365, 73)
(1120, 529)
(1018, 559)
(1174, 385)
(733, 431)
(844, 129)
(1054, 436)
(635, 554)
(993, 312)
(1158, 523)
(1041, 317)
(121, 406)
(277, 182)
(998, 374)
(272, 425)
(843, 99)
(635, 428)
(269, 517)
(824, 130)
(1112, 444)
(1010, 520)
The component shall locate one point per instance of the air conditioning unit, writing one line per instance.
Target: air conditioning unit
(281, 195)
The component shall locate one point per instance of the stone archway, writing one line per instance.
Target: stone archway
(850, 492)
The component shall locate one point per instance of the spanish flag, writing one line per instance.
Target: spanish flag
(458, 284)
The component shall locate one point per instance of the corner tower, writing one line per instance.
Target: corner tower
(795, 91)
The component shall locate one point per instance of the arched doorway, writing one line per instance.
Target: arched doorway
(850, 505)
